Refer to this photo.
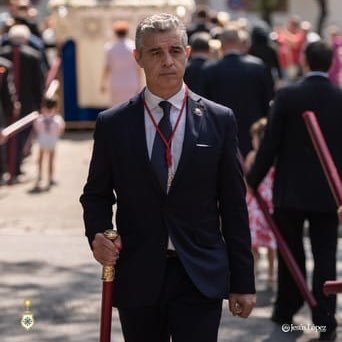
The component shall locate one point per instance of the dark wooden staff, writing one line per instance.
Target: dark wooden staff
(331, 173)
(108, 274)
(332, 287)
(18, 126)
(324, 156)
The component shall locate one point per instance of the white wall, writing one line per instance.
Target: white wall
(309, 10)
(306, 9)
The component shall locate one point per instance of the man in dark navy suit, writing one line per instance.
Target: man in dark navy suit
(168, 159)
(200, 49)
(301, 191)
(240, 82)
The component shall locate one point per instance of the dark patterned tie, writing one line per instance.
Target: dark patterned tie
(158, 157)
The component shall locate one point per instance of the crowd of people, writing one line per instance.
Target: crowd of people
(188, 215)
(25, 63)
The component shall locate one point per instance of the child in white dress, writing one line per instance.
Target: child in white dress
(261, 233)
(48, 128)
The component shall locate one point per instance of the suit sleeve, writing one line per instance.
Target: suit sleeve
(271, 142)
(98, 195)
(234, 215)
(6, 97)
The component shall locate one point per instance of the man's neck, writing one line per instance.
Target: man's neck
(203, 55)
(164, 93)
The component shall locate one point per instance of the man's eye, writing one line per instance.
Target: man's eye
(176, 51)
(155, 53)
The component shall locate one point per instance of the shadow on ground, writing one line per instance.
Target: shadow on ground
(66, 307)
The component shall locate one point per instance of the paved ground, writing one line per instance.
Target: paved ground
(45, 257)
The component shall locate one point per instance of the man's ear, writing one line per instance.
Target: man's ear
(188, 51)
(304, 63)
(137, 56)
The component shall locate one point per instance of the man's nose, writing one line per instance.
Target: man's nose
(168, 60)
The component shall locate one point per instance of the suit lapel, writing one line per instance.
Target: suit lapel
(194, 115)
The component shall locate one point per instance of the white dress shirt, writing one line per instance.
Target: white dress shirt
(176, 101)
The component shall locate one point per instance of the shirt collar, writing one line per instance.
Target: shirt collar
(176, 100)
(317, 73)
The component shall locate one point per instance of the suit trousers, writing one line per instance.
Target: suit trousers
(181, 312)
(323, 229)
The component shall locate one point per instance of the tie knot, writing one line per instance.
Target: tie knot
(166, 106)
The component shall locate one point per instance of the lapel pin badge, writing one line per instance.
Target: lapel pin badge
(27, 319)
(197, 111)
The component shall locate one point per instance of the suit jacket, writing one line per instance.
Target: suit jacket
(204, 212)
(244, 84)
(299, 179)
(31, 81)
(7, 92)
(193, 75)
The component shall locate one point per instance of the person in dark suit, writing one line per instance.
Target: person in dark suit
(28, 81)
(200, 21)
(301, 191)
(262, 48)
(193, 76)
(241, 82)
(8, 103)
(181, 212)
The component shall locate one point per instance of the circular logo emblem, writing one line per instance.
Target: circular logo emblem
(285, 327)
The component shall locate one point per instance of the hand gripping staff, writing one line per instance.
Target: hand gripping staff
(108, 274)
(331, 173)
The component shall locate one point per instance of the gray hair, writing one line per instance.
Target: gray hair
(231, 35)
(159, 23)
(19, 34)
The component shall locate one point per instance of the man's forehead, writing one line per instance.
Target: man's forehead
(155, 39)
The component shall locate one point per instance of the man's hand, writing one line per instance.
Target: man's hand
(250, 189)
(339, 213)
(241, 304)
(3, 139)
(105, 251)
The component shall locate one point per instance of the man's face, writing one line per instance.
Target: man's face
(163, 58)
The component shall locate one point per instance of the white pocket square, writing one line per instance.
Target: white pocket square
(203, 145)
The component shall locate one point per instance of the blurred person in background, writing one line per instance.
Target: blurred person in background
(200, 51)
(261, 233)
(48, 128)
(241, 82)
(28, 82)
(301, 191)
(262, 48)
(200, 21)
(22, 13)
(8, 107)
(290, 39)
(121, 75)
(335, 71)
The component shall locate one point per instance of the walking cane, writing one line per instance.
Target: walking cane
(333, 178)
(108, 274)
(324, 156)
(19, 125)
